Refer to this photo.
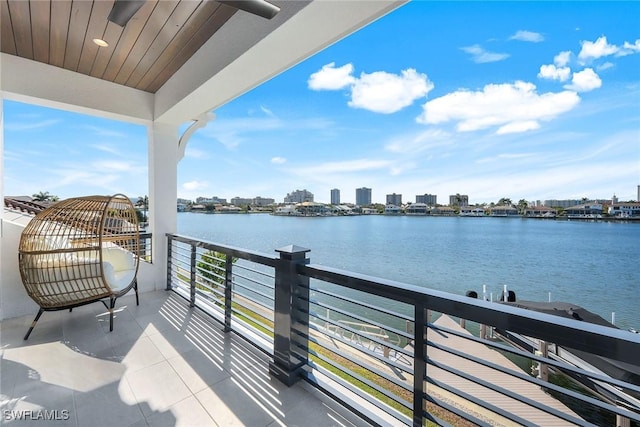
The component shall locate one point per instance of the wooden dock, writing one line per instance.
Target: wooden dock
(531, 415)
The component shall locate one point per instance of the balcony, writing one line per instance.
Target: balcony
(240, 337)
(164, 364)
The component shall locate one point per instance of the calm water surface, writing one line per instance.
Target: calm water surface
(592, 264)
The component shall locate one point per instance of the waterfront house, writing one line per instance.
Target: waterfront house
(195, 351)
(539, 212)
(585, 211)
(625, 210)
(471, 211)
(228, 209)
(417, 209)
(503, 211)
(392, 210)
(443, 211)
(286, 210)
(312, 209)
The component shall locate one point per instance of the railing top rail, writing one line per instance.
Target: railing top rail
(262, 258)
(604, 341)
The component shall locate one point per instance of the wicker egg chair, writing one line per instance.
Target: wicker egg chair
(79, 251)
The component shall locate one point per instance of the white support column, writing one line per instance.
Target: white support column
(163, 194)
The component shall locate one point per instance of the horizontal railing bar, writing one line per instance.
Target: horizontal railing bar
(253, 291)
(360, 378)
(245, 300)
(359, 334)
(471, 398)
(362, 304)
(358, 317)
(253, 270)
(362, 335)
(353, 389)
(596, 339)
(453, 409)
(348, 356)
(238, 296)
(217, 295)
(258, 257)
(530, 402)
(252, 280)
(242, 317)
(547, 361)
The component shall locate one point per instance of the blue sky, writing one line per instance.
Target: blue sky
(525, 100)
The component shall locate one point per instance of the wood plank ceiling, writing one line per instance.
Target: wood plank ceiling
(144, 54)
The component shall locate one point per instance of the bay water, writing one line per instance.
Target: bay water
(595, 265)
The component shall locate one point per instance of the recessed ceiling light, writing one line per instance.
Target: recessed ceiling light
(100, 42)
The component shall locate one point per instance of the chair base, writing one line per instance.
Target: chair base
(110, 307)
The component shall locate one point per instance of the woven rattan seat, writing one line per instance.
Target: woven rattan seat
(79, 251)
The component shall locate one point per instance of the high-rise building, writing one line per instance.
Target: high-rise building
(567, 203)
(211, 200)
(427, 199)
(263, 201)
(363, 196)
(299, 196)
(241, 201)
(335, 196)
(394, 199)
(458, 200)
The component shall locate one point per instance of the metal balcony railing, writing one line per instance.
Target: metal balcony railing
(144, 250)
(402, 354)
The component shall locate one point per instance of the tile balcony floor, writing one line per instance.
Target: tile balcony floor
(164, 364)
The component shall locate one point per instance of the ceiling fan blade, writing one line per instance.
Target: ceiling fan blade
(257, 7)
(123, 11)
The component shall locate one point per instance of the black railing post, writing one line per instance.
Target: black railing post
(169, 261)
(228, 281)
(192, 278)
(290, 316)
(419, 365)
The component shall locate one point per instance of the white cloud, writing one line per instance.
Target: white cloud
(195, 185)
(518, 127)
(267, 111)
(380, 92)
(512, 108)
(111, 165)
(605, 66)
(480, 56)
(331, 78)
(554, 73)
(386, 93)
(629, 48)
(347, 166)
(527, 36)
(595, 50)
(430, 139)
(278, 160)
(107, 149)
(31, 125)
(562, 59)
(104, 131)
(195, 153)
(584, 81)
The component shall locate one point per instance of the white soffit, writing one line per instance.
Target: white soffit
(41, 84)
(316, 26)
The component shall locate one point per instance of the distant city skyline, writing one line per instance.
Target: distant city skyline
(364, 195)
(519, 100)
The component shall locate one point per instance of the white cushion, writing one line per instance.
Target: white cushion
(119, 267)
